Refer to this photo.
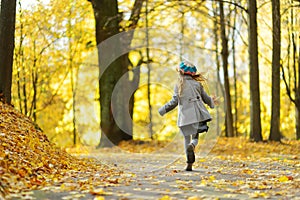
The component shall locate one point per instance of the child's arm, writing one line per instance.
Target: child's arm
(170, 105)
(206, 98)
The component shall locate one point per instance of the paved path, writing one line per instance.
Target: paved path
(152, 177)
(162, 176)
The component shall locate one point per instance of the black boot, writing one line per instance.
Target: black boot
(189, 167)
(190, 157)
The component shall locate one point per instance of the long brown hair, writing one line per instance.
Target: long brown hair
(198, 77)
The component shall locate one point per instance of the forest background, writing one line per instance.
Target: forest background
(55, 65)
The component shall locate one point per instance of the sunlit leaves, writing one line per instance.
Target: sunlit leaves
(51, 39)
(29, 161)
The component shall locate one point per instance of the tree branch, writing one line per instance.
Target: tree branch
(288, 90)
(135, 14)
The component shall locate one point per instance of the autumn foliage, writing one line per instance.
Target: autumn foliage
(28, 160)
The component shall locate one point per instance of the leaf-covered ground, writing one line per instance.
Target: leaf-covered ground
(29, 161)
(32, 168)
(234, 169)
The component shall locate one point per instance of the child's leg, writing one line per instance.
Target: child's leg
(189, 148)
(187, 140)
(195, 139)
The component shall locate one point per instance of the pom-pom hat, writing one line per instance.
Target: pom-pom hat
(187, 68)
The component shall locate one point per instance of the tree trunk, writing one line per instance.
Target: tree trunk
(255, 119)
(275, 115)
(34, 98)
(34, 80)
(235, 74)
(219, 82)
(107, 20)
(107, 25)
(19, 60)
(298, 123)
(297, 92)
(134, 83)
(7, 35)
(292, 79)
(225, 53)
(148, 74)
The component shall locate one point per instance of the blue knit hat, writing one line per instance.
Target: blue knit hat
(187, 68)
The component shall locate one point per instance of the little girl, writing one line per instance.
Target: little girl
(193, 116)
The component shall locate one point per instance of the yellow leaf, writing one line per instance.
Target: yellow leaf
(183, 187)
(212, 178)
(98, 191)
(194, 198)
(203, 182)
(232, 196)
(258, 194)
(166, 197)
(283, 179)
(99, 198)
(63, 186)
(247, 171)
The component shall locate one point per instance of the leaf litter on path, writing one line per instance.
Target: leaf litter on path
(235, 168)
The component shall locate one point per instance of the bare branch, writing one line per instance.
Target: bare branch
(288, 90)
(232, 3)
(135, 14)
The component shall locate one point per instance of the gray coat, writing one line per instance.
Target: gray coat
(191, 108)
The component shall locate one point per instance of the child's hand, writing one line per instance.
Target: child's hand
(216, 100)
(161, 111)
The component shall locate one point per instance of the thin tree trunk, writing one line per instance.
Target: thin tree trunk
(134, 18)
(148, 73)
(34, 97)
(297, 124)
(235, 92)
(225, 53)
(19, 60)
(73, 102)
(234, 74)
(275, 115)
(34, 77)
(72, 75)
(297, 91)
(134, 83)
(19, 91)
(292, 80)
(219, 83)
(181, 41)
(24, 92)
(255, 119)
